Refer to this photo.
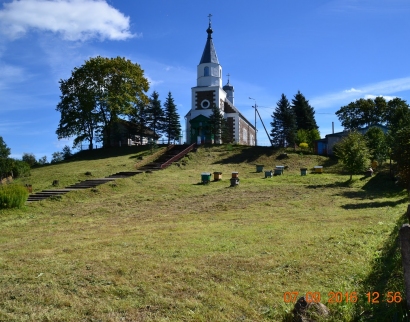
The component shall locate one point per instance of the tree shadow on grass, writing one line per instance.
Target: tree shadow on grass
(375, 204)
(338, 184)
(329, 162)
(386, 276)
(249, 155)
(104, 153)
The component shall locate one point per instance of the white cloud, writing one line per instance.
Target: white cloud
(152, 82)
(73, 20)
(352, 90)
(10, 74)
(381, 89)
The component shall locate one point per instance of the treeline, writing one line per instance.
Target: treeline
(9, 166)
(294, 123)
(356, 150)
(105, 91)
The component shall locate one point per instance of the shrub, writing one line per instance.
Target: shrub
(12, 196)
(303, 146)
(20, 169)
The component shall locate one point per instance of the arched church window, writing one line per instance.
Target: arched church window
(206, 71)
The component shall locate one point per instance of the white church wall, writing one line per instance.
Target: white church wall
(213, 79)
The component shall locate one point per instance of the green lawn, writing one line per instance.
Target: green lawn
(162, 247)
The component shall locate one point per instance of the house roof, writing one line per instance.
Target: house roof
(361, 130)
(137, 129)
(230, 108)
(209, 54)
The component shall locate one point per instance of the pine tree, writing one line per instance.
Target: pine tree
(218, 126)
(284, 123)
(155, 114)
(305, 114)
(172, 126)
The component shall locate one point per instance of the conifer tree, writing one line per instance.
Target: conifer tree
(218, 126)
(171, 125)
(304, 113)
(155, 114)
(284, 123)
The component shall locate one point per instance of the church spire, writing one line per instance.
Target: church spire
(209, 54)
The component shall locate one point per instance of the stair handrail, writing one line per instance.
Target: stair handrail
(178, 156)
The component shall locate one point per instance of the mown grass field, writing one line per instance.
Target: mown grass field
(163, 247)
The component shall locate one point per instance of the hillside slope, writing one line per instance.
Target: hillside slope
(162, 247)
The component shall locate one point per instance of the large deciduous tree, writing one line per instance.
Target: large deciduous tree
(283, 123)
(171, 126)
(353, 153)
(401, 154)
(377, 144)
(362, 112)
(366, 112)
(96, 94)
(5, 162)
(397, 115)
(304, 113)
(4, 150)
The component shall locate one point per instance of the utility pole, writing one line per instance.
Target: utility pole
(256, 140)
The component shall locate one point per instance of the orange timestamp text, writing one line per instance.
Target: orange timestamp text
(344, 297)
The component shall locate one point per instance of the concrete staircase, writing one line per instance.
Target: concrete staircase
(92, 183)
(173, 154)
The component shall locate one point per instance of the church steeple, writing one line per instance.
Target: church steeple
(209, 54)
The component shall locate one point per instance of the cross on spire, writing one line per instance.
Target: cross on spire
(210, 16)
(228, 77)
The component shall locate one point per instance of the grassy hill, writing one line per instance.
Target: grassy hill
(163, 247)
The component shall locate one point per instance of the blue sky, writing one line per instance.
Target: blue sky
(334, 52)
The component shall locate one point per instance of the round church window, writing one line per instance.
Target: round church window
(205, 104)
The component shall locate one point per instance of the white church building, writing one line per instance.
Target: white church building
(209, 91)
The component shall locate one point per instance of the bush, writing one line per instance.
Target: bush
(12, 196)
(304, 146)
(20, 169)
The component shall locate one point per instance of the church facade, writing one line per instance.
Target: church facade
(209, 92)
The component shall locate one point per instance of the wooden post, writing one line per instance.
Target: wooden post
(405, 257)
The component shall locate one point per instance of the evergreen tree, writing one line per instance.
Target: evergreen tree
(218, 125)
(155, 114)
(304, 113)
(171, 125)
(284, 124)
